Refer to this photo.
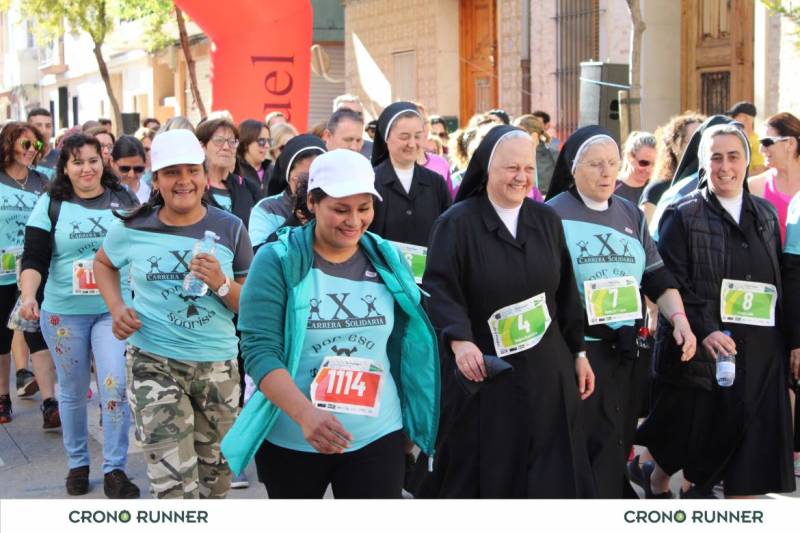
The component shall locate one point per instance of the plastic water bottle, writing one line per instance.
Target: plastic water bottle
(192, 285)
(726, 366)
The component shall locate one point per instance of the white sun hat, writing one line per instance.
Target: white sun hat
(175, 147)
(341, 173)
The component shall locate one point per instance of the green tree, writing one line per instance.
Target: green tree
(789, 9)
(94, 17)
(157, 16)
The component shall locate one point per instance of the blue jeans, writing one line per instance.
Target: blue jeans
(72, 340)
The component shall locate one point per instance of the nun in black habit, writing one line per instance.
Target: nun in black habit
(413, 196)
(520, 435)
(609, 244)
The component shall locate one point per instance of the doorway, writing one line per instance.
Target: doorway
(478, 57)
(717, 54)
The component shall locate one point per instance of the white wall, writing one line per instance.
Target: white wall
(661, 62)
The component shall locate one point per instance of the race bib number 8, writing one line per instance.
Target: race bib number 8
(415, 256)
(612, 300)
(519, 326)
(83, 282)
(746, 302)
(349, 385)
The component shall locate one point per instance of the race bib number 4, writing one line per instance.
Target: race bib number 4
(746, 302)
(612, 300)
(83, 282)
(349, 385)
(416, 257)
(519, 326)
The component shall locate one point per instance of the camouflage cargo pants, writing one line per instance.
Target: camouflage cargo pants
(182, 409)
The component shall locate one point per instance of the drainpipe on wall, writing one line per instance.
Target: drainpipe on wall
(525, 54)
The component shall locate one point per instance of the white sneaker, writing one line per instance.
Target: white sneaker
(240, 481)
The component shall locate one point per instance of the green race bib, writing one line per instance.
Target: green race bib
(612, 300)
(747, 302)
(519, 326)
(8, 260)
(416, 257)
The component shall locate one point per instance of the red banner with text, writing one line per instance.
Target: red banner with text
(260, 56)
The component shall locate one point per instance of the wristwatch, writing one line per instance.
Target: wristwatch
(225, 288)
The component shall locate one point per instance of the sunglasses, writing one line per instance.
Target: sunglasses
(262, 142)
(138, 169)
(27, 145)
(766, 142)
(643, 162)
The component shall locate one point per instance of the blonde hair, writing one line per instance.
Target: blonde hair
(279, 134)
(534, 126)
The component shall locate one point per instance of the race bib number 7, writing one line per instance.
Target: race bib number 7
(83, 282)
(349, 385)
(519, 326)
(612, 300)
(747, 302)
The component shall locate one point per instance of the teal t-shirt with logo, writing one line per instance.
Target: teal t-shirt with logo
(352, 315)
(268, 215)
(81, 226)
(606, 244)
(223, 198)
(17, 200)
(175, 325)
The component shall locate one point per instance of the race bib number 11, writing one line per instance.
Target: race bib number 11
(747, 302)
(349, 385)
(416, 257)
(519, 326)
(83, 282)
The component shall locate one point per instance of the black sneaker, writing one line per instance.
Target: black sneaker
(5, 409)
(117, 486)
(26, 383)
(78, 481)
(50, 415)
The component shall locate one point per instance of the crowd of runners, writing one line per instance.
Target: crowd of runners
(392, 308)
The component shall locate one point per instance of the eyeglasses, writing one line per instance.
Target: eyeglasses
(27, 145)
(219, 142)
(262, 142)
(643, 162)
(138, 169)
(442, 134)
(766, 142)
(108, 147)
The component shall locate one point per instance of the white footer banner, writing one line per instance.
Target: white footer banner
(401, 516)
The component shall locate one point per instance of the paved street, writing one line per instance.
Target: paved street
(33, 464)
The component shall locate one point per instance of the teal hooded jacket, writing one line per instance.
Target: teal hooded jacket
(273, 315)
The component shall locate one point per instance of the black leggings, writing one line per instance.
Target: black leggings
(374, 471)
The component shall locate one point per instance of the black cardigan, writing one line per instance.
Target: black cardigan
(408, 217)
(244, 196)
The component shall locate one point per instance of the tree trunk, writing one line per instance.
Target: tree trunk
(635, 76)
(187, 53)
(101, 65)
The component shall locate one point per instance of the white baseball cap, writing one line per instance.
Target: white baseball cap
(175, 147)
(341, 173)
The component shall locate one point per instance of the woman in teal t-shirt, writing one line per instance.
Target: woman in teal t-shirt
(183, 377)
(333, 334)
(64, 231)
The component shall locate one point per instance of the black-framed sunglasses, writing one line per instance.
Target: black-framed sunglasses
(643, 162)
(27, 144)
(766, 142)
(138, 169)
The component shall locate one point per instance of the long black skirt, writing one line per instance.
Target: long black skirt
(741, 435)
(519, 437)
